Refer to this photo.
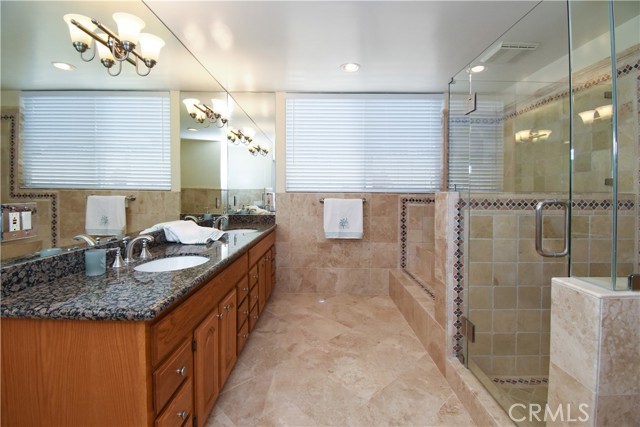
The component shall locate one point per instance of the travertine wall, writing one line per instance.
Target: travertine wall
(307, 262)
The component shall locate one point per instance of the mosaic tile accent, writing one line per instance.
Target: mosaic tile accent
(520, 380)
(458, 277)
(405, 201)
(508, 204)
(53, 198)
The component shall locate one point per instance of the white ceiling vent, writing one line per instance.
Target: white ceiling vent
(505, 52)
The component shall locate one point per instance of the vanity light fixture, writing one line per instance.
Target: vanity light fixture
(532, 135)
(350, 67)
(244, 136)
(115, 48)
(601, 113)
(218, 113)
(256, 149)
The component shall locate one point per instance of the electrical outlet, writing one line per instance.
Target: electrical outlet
(14, 221)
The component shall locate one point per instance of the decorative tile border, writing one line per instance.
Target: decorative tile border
(520, 380)
(582, 204)
(13, 159)
(403, 237)
(458, 277)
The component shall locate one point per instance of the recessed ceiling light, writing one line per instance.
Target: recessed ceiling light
(192, 129)
(350, 67)
(63, 66)
(477, 69)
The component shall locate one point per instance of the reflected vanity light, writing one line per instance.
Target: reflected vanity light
(244, 136)
(256, 149)
(600, 113)
(218, 114)
(115, 48)
(477, 69)
(532, 135)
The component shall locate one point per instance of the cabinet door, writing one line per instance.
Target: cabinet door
(262, 283)
(228, 335)
(207, 363)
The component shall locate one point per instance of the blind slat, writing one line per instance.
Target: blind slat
(100, 140)
(363, 143)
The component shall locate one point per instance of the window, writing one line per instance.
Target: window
(476, 146)
(363, 143)
(96, 140)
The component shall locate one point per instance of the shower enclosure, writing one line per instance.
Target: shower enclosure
(543, 148)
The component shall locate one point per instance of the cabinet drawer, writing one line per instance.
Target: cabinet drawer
(171, 374)
(243, 313)
(253, 317)
(179, 410)
(242, 287)
(254, 296)
(243, 335)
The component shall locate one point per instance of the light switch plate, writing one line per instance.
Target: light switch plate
(26, 220)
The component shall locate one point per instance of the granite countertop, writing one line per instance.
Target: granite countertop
(126, 294)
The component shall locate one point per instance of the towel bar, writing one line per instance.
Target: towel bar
(363, 200)
(128, 198)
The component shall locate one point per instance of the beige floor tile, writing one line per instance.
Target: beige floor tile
(340, 360)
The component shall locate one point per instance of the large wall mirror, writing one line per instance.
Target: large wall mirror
(202, 160)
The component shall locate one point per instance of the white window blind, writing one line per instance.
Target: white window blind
(476, 146)
(96, 140)
(363, 143)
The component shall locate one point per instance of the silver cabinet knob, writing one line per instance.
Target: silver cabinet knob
(220, 315)
(246, 312)
(245, 289)
(183, 415)
(182, 371)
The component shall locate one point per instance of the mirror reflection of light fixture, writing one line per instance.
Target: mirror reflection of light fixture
(115, 48)
(601, 113)
(218, 113)
(244, 136)
(532, 135)
(256, 149)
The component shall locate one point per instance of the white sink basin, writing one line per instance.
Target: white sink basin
(241, 231)
(171, 263)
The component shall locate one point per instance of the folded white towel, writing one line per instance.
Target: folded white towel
(343, 219)
(255, 210)
(106, 216)
(190, 233)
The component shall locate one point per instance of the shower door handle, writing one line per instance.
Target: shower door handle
(539, 207)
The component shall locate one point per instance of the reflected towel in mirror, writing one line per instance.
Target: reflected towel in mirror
(190, 233)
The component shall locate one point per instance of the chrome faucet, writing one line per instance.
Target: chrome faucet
(88, 239)
(191, 217)
(218, 223)
(129, 249)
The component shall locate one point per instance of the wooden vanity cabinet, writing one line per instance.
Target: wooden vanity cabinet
(165, 372)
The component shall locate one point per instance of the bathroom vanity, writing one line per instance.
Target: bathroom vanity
(132, 348)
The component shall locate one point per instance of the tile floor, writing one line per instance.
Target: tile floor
(337, 361)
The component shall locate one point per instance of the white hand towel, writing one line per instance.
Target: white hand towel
(159, 226)
(343, 219)
(106, 216)
(190, 233)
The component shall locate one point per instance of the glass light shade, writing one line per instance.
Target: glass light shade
(77, 35)
(587, 116)
(218, 105)
(150, 46)
(191, 103)
(523, 135)
(103, 51)
(605, 111)
(129, 26)
(249, 132)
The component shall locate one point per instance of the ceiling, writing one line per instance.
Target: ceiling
(255, 48)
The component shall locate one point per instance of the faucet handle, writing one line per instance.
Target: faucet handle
(118, 262)
(145, 254)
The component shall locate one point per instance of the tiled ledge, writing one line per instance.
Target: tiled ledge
(418, 309)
